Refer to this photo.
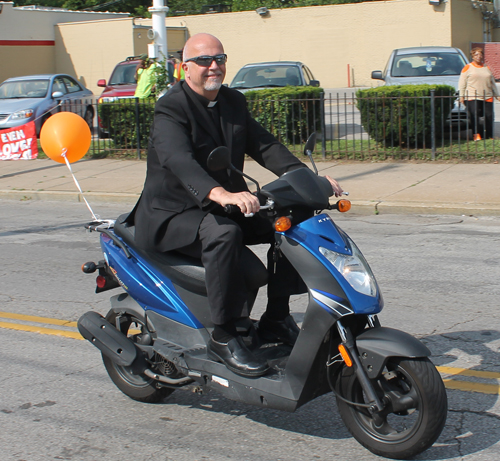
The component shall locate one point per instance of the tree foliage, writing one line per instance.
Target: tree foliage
(139, 8)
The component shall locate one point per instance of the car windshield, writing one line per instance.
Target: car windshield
(262, 76)
(427, 64)
(124, 74)
(24, 89)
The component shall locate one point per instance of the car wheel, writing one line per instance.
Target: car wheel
(89, 118)
(44, 119)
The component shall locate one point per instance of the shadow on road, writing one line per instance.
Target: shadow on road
(470, 428)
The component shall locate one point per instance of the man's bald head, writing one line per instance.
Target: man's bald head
(197, 44)
(204, 80)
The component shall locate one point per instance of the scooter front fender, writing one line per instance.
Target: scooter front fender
(376, 345)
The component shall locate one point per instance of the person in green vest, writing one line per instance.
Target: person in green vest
(145, 76)
(179, 71)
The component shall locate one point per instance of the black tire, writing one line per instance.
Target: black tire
(399, 435)
(103, 134)
(44, 119)
(89, 118)
(136, 386)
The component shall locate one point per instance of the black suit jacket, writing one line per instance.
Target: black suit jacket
(173, 201)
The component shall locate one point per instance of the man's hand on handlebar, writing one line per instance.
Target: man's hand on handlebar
(245, 201)
(337, 190)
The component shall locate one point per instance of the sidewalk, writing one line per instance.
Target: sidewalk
(425, 188)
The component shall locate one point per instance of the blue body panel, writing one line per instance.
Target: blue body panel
(154, 291)
(151, 289)
(321, 231)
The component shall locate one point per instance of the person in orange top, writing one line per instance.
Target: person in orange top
(477, 88)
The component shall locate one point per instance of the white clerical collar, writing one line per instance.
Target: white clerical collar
(212, 103)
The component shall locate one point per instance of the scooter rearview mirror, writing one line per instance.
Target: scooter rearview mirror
(310, 144)
(309, 148)
(219, 159)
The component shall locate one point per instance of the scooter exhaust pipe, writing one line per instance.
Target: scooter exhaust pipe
(110, 341)
(115, 345)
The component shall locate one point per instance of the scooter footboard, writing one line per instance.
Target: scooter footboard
(376, 345)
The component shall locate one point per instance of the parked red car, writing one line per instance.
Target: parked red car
(122, 83)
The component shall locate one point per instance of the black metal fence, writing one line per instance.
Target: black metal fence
(414, 127)
(347, 127)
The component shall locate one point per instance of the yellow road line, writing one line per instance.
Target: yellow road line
(469, 386)
(32, 318)
(43, 330)
(466, 372)
(454, 384)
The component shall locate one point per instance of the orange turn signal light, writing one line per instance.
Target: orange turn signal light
(345, 355)
(282, 224)
(343, 205)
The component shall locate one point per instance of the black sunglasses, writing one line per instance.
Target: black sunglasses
(206, 61)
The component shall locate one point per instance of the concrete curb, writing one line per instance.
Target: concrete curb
(64, 196)
(381, 207)
(471, 209)
(358, 206)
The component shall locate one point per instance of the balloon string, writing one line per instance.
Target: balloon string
(94, 217)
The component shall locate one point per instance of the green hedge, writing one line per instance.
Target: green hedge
(400, 115)
(291, 113)
(119, 119)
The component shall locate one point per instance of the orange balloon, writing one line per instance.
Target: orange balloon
(65, 132)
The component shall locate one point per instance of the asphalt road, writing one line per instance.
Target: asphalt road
(440, 279)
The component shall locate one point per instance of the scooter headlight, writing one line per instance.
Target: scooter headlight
(353, 268)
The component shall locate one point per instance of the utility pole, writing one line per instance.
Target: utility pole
(158, 49)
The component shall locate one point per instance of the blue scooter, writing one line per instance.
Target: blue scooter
(154, 338)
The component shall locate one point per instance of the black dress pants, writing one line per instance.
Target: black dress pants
(219, 245)
(478, 109)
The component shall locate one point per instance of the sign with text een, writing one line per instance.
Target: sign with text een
(19, 143)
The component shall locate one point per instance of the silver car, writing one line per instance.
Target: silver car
(273, 74)
(37, 97)
(431, 65)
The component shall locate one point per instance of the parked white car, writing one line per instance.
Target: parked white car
(424, 64)
(272, 75)
(433, 65)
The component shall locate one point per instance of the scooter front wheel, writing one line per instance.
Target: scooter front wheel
(136, 386)
(415, 413)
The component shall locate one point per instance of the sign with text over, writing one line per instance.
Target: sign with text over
(19, 143)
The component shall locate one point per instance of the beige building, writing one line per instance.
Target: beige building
(28, 37)
(341, 44)
(106, 43)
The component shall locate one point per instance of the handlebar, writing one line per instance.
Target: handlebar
(341, 205)
(230, 209)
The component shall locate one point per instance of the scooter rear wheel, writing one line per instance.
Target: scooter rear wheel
(136, 386)
(397, 434)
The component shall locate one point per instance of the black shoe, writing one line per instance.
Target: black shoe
(237, 357)
(278, 331)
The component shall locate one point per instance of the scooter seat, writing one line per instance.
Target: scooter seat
(186, 271)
